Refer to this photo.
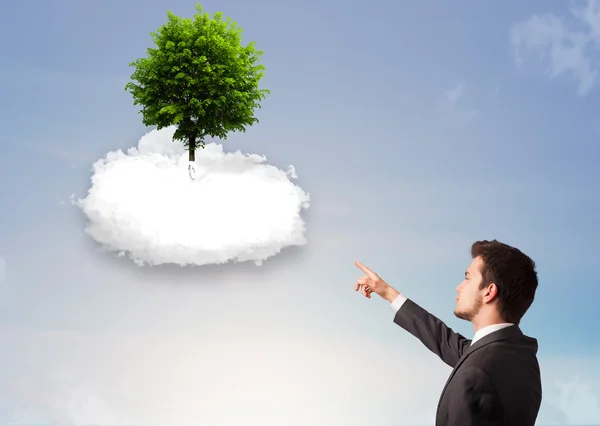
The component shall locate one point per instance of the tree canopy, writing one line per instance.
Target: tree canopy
(200, 78)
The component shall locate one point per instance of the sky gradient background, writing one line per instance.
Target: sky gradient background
(416, 127)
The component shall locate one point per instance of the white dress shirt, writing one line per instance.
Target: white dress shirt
(399, 301)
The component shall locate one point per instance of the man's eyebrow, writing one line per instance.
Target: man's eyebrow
(466, 273)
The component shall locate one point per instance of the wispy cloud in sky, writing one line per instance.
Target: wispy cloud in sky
(455, 94)
(457, 105)
(567, 47)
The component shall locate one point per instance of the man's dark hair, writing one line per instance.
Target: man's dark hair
(514, 274)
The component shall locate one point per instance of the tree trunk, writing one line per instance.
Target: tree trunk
(192, 148)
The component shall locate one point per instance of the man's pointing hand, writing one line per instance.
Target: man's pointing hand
(372, 283)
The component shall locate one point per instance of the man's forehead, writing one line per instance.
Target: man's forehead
(475, 266)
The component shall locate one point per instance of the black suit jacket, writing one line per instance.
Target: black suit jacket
(494, 382)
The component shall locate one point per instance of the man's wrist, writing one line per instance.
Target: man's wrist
(390, 293)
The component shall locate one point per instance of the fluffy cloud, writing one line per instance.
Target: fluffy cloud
(144, 204)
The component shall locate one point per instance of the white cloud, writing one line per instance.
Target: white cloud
(454, 99)
(568, 49)
(571, 394)
(578, 400)
(455, 94)
(143, 204)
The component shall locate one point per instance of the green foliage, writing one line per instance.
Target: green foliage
(200, 78)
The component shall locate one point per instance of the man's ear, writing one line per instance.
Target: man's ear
(490, 293)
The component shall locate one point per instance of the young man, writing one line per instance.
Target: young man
(496, 375)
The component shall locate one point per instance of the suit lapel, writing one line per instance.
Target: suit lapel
(502, 334)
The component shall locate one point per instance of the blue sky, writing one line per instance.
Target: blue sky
(417, 128)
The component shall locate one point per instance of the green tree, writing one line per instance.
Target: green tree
(200, 78)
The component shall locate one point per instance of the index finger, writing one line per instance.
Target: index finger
(366, 270)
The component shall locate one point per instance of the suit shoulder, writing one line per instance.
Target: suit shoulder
(503, 356)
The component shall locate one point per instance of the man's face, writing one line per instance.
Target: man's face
(469, 299)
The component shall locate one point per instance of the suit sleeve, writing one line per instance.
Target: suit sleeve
(433, 333)
(473, 400)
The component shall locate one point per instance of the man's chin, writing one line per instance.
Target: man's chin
(461, 315)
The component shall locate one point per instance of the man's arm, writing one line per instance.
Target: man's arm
(472, 400)
(433, 333)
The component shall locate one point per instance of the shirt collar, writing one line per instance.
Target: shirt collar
(482, 332)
